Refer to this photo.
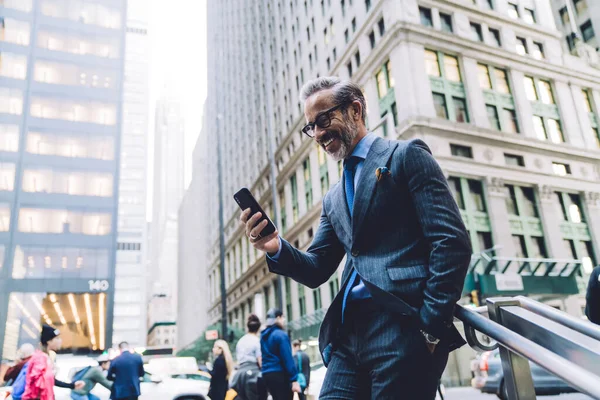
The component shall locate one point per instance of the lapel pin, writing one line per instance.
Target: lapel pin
(381, 172)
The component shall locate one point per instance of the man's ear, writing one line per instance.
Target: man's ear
(358, 110)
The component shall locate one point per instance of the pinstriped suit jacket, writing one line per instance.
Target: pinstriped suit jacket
(406, 239)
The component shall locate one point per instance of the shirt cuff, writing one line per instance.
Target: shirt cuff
(276, 256)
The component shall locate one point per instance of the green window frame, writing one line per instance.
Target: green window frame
(282, 213)
(301, 300)
(546, 116)
(387, 96)
(447, 87)
(591, 110)
(323, 171)
(288, 299)
(575, 230)
(295, 210)
(317, 299)
(334, 286)
(308, 189)
(470, 198)
(500, 104)
(525, 222)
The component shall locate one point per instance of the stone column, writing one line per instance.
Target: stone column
(259, 306)
(522, 104)
(499, 219)
(475, 98)
(315, 178)
(551, 221)
(572, 129)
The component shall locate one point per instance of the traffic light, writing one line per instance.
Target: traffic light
(475, 298)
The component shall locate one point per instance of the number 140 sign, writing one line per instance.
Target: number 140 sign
(98, 285)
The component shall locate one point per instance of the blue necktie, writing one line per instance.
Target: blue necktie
(349, 168)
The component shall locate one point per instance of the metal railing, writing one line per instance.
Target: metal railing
(526, 330)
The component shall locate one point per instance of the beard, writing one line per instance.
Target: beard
(346, 137)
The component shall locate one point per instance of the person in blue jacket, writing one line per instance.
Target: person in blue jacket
(278, 367)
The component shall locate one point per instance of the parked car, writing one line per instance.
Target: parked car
(489, 377)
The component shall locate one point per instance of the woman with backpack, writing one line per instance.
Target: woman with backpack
(40, 381)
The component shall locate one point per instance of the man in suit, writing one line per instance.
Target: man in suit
(592, 306)
(388, 332)
(126, 371)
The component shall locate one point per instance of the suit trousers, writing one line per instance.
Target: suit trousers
(381, 355)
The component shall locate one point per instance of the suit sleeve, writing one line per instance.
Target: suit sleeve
(313, 267)
(443, 227)
(592, 306)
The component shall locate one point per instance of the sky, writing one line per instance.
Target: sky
(177, 33)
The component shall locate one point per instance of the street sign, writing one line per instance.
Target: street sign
(509, 282)
(211, 335)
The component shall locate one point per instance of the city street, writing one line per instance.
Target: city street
(474, 394)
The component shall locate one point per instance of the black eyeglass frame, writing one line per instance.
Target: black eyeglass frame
(310, 127)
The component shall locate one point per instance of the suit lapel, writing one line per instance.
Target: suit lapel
(377, 157)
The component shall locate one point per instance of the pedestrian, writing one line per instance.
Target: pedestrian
(303, 362)
(222, 370)
(247, 381)
(40, 381)
(279, 370)
(592, 298)
(125, 371)
(390, 328)
(23, 355)
(92, 376)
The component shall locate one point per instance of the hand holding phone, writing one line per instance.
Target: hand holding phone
(259, 227)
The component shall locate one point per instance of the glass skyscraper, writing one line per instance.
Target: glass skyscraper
(61, 69)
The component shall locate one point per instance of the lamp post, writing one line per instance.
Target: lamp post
(221, 230)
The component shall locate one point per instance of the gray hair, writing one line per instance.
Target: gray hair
(345, 91)
(26, 350)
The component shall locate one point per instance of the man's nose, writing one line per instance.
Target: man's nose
(318, 132)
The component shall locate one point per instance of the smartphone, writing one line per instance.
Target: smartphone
(245, 200)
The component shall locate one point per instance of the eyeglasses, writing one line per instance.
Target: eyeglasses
(323, 121)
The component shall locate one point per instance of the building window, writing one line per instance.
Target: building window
(282, 209)
(492, 113)
(9, 138)
(347, 35)
(526, 226)
(308, 183)
(64, 221)
(522, 46)
(500, 104)
(83, 12)
(495, 37)
(546, 120)
(514, 160)
(75, 111)
(385, 81)
(349, 67)
(357, 58)
(446, 23)
(381, 26)
(587, 31)
(368, 5)
(317, 299)
(476, 33)
(580, 6)
(353, 25)
(68, 182)
(80, 146)
(587, 96)
(294, 187)
(425, 14)
(14, 31)
(372, 39)
(74, 75)
(11, 101)
(101, 46)
(513, 11)
(7, 177)
(461, 151)
(468, 194)
(561, 169)
(13, 65)
(288, 299)
(564, 16)
(529, 15)
(538, 51)
(4, 225)
(301, 300)
(446, 82)
(489, 4)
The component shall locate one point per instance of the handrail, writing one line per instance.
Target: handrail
(576, 376)
(565, 319)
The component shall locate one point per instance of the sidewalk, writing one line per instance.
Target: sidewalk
(467, 393)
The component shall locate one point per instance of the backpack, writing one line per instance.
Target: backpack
(18, 387)
(301, 377)
(79, 374)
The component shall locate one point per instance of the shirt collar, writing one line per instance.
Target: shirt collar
(362, 148)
